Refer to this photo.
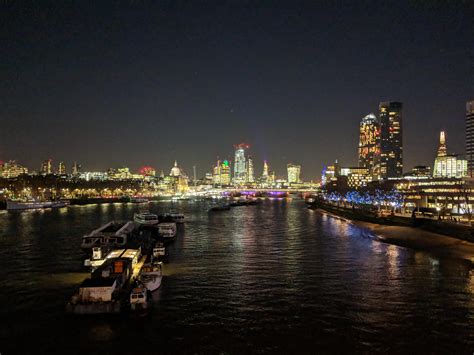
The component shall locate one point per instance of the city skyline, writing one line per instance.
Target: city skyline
(183, 85)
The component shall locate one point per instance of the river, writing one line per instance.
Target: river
(272, 278)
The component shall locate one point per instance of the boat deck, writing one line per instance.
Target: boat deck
(138, 266)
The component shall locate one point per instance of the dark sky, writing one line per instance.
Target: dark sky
(140, 82)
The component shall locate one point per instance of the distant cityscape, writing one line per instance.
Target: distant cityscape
(380, 166)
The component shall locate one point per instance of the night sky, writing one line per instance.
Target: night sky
(144, 83)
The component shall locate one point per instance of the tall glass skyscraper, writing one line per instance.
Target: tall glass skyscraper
(470, 137)
(240, 166)
(368, 133)
(389, 157)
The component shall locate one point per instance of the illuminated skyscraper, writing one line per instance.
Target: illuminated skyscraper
(250, 174)
(389, 155)
(61, 168)
(225, 173)
(293, 173)
(368, 131)
(240, 166)
(265, 171)
(47, 167)
(470, 137)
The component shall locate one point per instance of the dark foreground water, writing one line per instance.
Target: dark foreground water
(270, 278)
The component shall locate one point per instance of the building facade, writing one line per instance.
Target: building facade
(470, 137)
(368, 138)
(47, 167)
(61, 168)
(240, 164)
(356, 176)
(389, 155)
(294, 172)
(250, 171)
(12, 169)
(448, 165)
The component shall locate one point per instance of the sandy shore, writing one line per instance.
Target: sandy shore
(418, 239)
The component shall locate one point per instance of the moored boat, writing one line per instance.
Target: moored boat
(29, 205)
(113, 234)
(151, 275)
(159, 252)
(167, 230)
(175, 217)
(140, 300)
(146, 218)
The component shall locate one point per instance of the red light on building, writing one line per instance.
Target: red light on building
(241, 146)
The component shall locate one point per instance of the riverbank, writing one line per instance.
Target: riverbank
(416, 238)
(439, 227)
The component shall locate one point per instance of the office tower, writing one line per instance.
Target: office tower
(265, 171)
(250, 174)
(293, 173)
(368, 132)
(389, 154)
(47, 167)
(61, 168)
(240, 166)
(470, 137)
(225, 173)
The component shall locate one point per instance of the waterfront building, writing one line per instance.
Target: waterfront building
(250, 172)
(368, 138)
(448, 165)
(61, 168)
(419, 172)
(47, 167)
(93, 175)
(470, 137)
(389, 152)
(357, 177)
(444, 195)
(12, 169)
(240, 166)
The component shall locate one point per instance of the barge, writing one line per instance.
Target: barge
(112, 234)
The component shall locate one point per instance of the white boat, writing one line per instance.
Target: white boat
(151, 275)
(19, 205)
(112, 234)
(159, 251)
(146, 218)
(167, 230)
(140, 299)
(175, 217)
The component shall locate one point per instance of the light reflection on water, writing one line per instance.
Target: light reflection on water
(244, 280)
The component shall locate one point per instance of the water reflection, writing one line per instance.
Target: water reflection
(277, 277)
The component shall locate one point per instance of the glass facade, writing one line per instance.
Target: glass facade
(389, 158)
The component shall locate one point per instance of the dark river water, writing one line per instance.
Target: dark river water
(273, 278)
